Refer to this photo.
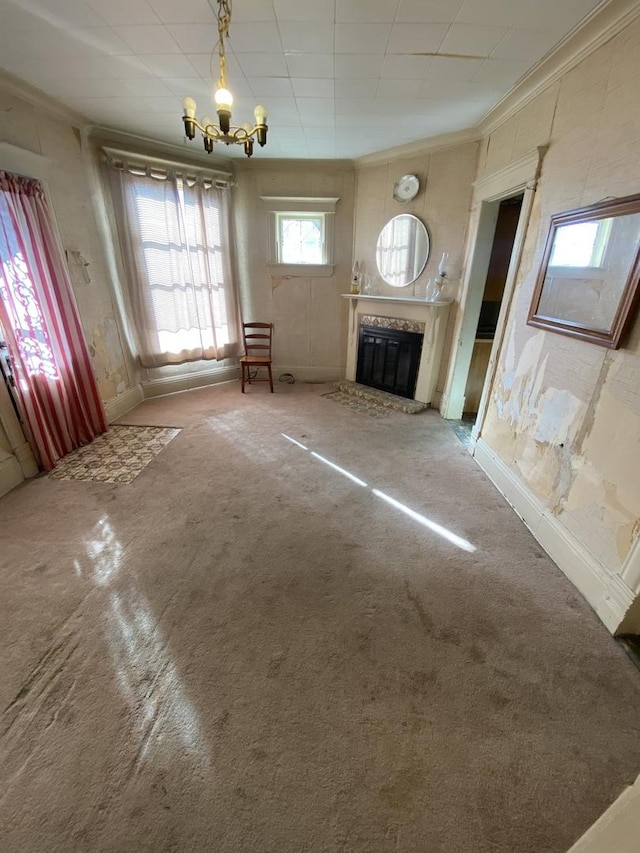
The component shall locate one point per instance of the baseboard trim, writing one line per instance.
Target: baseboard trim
(607, 593)
(26, 460)
(188, 381)
(10, 475)
(309, 374)
(123, 403)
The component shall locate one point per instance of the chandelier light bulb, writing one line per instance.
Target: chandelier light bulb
(223, 99)
(189, 107)
(206, 122)
(261, 114)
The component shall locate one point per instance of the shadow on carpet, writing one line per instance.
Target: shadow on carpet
(118, 456)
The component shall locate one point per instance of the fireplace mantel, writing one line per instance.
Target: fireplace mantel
(432, 314)
(413, 300)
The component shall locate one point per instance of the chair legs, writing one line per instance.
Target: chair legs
(246, 377)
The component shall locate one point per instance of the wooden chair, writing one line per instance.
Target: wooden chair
(257, 348)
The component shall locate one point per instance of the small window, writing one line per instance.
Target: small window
(301, 238)
(300, 241)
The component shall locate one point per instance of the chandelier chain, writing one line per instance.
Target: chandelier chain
(224, 20)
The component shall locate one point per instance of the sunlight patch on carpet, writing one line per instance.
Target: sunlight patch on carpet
(118, 456)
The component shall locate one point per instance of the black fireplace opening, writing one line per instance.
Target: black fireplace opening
(388, 359)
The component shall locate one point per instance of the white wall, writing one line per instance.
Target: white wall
(443, 204)
(28, 125)
(563, 421)
(310, 318)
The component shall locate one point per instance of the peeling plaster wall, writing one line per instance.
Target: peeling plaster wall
(564, 415)
(309, 315)
(443, 204)
(31, 127)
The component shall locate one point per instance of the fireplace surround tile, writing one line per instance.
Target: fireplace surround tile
(395, 323)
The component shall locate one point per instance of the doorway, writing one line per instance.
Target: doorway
(506, 225)
(519, 179)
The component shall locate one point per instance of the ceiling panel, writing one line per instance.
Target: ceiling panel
(269, 87)
(359, 65)
(185, 12)
(302, 38)
(472, 40)
(417, 38)
(338, 77)
(373, 11)
(313, 87)
(194, 38)
(122, 12)
(524, 44)
(362, 38)
(256, 64)
(310, 64)
(428, 11)
(500, 13)
(397, 66)
(148, 38)
(304, 10)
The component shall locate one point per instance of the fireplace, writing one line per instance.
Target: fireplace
(388, 359)
(425, 321)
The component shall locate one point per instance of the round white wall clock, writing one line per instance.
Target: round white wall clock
(406, 188)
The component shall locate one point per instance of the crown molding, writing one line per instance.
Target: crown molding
(26, 92)
(420, 146)
(600, 26)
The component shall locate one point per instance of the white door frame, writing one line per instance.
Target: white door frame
(520, 176)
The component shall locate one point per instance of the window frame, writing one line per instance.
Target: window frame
(304, 208)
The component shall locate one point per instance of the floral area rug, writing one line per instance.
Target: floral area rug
(358, 404)
(118, 456)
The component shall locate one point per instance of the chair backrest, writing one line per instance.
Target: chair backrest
(257, 338)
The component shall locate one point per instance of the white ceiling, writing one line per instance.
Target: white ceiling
(340, 78)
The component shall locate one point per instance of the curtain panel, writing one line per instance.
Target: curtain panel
(175, 238)
(61, 405)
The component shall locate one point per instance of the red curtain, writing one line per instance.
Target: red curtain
(60, 401)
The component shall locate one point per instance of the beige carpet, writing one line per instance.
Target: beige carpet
(252, 648)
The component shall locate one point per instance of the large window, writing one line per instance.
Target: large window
(174, 233)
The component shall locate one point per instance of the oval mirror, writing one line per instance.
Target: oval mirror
(402, 250)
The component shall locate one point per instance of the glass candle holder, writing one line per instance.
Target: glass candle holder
(432, 289)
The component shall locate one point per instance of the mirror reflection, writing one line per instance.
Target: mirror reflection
(402, 250)
(588, 268)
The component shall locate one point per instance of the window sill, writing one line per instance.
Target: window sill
(302, 270)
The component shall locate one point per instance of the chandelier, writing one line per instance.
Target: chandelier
(224, 131)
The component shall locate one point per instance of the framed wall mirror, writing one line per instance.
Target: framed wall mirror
(402, 250)
(587, 286)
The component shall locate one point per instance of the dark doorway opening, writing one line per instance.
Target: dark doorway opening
(499, 260)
